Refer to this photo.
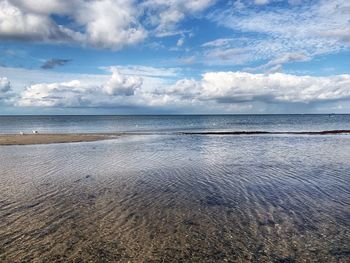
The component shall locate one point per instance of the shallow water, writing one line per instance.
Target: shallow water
(173, 198)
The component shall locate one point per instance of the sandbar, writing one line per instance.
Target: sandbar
(26, 139)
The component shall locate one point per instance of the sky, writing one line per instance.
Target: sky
(174, 56)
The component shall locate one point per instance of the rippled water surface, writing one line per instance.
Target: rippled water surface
(173, 198)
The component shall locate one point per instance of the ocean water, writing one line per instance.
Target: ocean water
(167, 197)
(164, 123)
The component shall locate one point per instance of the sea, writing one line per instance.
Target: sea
(157, 195)
(172, 123)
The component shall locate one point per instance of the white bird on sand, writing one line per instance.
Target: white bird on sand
(35, 132)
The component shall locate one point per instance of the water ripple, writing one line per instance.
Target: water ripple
(177, 199)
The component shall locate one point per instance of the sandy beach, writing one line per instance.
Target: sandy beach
(27, 139)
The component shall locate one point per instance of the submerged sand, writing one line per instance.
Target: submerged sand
(26, 139)
(175, 199)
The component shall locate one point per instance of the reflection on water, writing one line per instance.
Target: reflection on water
(177, 199)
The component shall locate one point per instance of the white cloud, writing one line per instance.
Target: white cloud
(341, 34)
(119, 85)
(184, 88)
(215, 91)
(288, 57)
(16, 23)
(64, 94)
(121, 88)
(5, 85)
(313, 28)
(230, 56)
(294, 2)
(241, 86)
(76, 93)
(261, 2)
(47, 7)
(225, 54)
(180, 42)
(21, 77)
(6, 92)
(146, 71)
(104, 24)
(165, 14)
(187, 60)
(275, 64)
(111, 24)
(221, 42)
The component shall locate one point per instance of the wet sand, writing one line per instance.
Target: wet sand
(27, 139)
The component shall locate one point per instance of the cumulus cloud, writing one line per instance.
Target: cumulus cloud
(5, 85)
(17, 23)
(63, 94)
(104, 24)
(77, 93)
(46, 7)
(183, 88)
(54, 62)
(5, 89)
(120, 84)
(111, 24)
(241, 86)
(214, 91)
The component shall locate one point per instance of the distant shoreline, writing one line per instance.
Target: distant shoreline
(171, 115)
(50, 138)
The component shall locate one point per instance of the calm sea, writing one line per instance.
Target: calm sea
(15, 124)
(167, 197)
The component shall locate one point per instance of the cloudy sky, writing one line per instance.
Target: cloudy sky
(174, 56)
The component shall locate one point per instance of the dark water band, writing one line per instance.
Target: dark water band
(268, 132)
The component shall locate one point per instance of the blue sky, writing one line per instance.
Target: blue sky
(174, 56)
